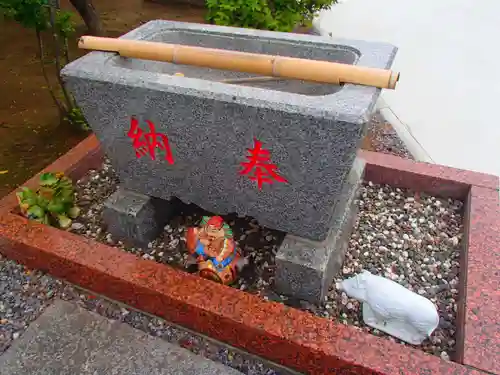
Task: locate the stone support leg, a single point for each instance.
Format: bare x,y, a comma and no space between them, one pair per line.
305,269
136,218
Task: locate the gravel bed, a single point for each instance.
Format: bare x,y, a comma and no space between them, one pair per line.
412,238
24,294
383,138
415,240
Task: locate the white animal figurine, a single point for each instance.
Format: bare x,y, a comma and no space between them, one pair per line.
391,308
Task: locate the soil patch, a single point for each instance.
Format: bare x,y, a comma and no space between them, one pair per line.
31,136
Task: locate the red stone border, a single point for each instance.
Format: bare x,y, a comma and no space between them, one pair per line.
287,336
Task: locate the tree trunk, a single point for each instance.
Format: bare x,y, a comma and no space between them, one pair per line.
89,15
57,53
62,110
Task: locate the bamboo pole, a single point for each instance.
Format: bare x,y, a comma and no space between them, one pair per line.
266,65
252,79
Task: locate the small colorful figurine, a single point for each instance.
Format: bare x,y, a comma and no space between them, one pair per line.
212,247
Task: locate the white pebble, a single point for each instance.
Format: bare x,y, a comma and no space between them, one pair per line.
344,299
445,356
77,226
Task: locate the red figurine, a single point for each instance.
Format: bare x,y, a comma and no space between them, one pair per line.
213,247
260,163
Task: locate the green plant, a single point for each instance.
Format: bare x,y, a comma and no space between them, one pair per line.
75,117
53,203
45,17
277,15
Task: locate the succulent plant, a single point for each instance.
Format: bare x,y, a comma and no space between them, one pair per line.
53,203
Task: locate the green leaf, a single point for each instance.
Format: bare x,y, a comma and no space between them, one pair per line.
42,202
31,200
63,221
73,212
64,24
48,179
281,15
66,199
47,193
65,184
46,219
27,196
32,14
56,207
27,192
36,212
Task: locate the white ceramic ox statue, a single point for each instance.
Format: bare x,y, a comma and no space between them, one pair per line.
391,308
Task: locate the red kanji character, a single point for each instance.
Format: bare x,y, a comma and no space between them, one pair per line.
260,163
145,143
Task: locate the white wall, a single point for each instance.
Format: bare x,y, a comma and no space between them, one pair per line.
448,98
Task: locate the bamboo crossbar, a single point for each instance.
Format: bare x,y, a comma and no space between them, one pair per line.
265,65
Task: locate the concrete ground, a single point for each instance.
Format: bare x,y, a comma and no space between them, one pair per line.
67,339
445,106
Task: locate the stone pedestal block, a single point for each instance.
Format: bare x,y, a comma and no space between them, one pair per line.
305,269
135,218
279,151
